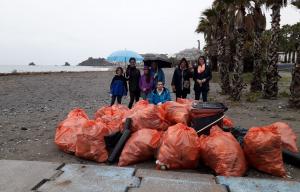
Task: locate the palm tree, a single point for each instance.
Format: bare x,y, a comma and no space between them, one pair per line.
272,76
223,15
207,27
294,100
240,31
259,27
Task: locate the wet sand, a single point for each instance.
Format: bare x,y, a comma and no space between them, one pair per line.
32,105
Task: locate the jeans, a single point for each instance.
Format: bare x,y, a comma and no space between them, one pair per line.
113,99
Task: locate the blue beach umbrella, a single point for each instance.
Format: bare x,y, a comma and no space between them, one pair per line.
124,56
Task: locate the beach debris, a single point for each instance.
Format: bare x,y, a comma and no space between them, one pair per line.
112,116
179,148
90,143
221,152
228,122
154,131
140,146
147,116
176,112
262,147
288,137
67,130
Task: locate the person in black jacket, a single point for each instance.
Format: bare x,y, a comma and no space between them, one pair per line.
133,76
202,76
181,79
118,87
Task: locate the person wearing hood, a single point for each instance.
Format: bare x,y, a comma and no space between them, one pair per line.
146,83
157,73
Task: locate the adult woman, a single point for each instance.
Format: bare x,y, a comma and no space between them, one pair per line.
202,76
181,79
157,73
146,83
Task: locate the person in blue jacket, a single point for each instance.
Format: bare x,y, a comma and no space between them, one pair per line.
159,95
157,73
118,86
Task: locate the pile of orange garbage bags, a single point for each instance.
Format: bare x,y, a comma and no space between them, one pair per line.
163,133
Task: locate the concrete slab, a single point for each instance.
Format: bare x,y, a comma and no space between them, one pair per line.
175,175
151,184
24,175
92,178
242,184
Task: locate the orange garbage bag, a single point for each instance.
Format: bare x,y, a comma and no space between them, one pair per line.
176,112
288,137
111,110
228,122
139,105
141,146
187,102
179,148
147,116
262,147
112,116
67,130
90,143
221,152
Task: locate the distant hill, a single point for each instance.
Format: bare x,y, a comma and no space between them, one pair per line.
95,62
190,54
31,64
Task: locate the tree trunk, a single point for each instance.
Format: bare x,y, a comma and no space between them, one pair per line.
237,80
256,83
223,67
272,76
227,61
289,57
295,84
293,57
285,57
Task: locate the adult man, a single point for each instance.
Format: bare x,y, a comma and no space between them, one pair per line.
159,95
133,76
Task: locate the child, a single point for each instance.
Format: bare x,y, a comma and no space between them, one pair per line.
118,86
146,83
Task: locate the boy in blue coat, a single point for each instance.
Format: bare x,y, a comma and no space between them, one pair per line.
159,95
118,86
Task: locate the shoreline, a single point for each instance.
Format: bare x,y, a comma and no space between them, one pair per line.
50,72
108,69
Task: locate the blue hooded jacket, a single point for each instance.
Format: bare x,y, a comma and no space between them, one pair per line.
118,86
155,98
159,76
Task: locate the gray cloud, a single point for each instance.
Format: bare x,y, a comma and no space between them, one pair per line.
52,32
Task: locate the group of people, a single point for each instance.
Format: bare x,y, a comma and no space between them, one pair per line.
150,85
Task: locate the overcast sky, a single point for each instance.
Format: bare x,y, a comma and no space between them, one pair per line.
50,32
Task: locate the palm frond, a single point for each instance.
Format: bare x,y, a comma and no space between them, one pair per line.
281,3
296,3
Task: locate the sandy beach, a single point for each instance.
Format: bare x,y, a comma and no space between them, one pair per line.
32,105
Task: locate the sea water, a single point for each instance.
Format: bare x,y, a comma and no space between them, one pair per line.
49,68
